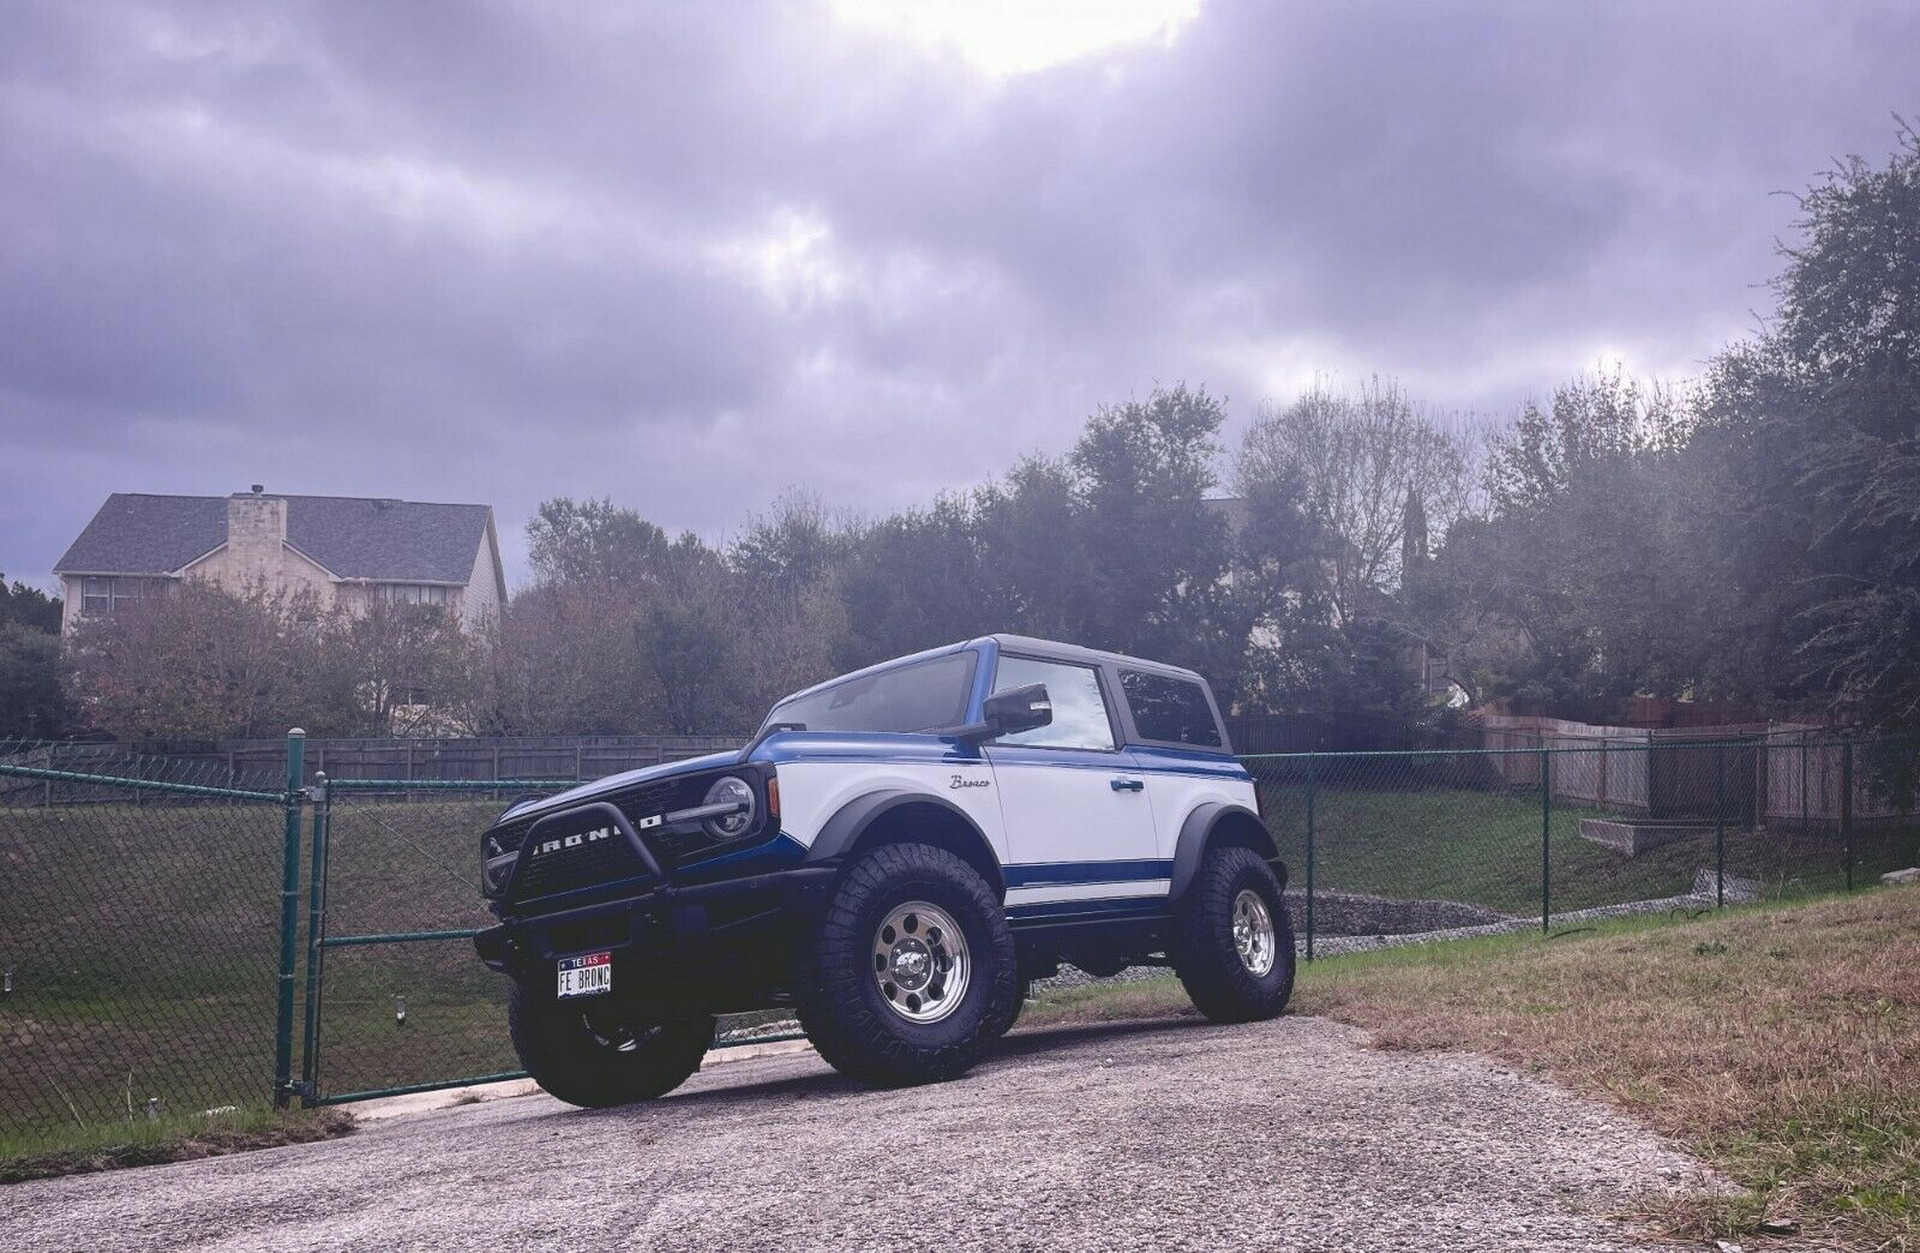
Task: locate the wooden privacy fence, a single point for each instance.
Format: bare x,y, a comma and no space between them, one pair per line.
1777,774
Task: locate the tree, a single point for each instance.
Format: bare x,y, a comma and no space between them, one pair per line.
1588,583
28,607
1821,420
199,663
33,700
1366,462
593,543
1151,549
563,661
916,580
795,543
694,641
1596,425
1029,535
33,703
396,669
781,588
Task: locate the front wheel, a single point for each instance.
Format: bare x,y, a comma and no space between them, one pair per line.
912,972
600,1052
1233,946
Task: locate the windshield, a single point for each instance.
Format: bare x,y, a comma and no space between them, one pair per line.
925,696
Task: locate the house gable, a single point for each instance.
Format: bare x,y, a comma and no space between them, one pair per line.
321,544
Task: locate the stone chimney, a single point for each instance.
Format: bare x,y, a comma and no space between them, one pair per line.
256,535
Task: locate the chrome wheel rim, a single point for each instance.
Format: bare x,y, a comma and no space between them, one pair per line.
1253,932
920,962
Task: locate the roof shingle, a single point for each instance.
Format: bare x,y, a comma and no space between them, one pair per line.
354,537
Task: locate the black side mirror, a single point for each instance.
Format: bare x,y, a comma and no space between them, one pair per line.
1018,709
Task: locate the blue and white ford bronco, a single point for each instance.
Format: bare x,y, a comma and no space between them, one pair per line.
896,854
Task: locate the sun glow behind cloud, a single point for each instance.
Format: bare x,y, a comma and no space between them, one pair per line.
1007,37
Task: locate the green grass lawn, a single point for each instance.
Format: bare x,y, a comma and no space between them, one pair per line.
1483,848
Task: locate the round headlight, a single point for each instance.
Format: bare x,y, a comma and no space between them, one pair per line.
730,791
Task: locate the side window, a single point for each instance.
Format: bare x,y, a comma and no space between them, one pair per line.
1170,710
1079,713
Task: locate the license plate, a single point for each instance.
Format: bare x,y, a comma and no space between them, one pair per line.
589,974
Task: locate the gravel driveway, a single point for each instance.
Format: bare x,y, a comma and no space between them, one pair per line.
1281,1135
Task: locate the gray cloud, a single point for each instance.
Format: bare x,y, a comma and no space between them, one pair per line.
689,255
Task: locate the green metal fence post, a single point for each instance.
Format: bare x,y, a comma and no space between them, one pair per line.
316,932
1720,826
1806,812
289,920
1310,800
1846,807
1546,840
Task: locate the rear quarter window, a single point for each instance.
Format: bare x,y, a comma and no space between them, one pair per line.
1170,710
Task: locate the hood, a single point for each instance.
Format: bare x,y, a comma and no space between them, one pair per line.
617,782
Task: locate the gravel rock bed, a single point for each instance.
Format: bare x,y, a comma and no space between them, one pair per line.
1700,898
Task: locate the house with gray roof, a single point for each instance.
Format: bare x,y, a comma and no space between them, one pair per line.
348,552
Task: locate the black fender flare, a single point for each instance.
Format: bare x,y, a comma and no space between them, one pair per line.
841,834
1212,825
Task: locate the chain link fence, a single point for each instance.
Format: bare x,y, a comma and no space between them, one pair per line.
1389,847
139,932
171,941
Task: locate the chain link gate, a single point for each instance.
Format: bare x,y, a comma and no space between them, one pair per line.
396,1001
138,924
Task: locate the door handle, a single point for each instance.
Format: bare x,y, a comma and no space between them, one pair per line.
1127,785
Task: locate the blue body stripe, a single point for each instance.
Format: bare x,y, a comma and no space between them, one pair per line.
1033,874
873,746
1189,762
1125,907
920,750
779,853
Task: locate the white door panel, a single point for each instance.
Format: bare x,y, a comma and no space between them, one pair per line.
1175,795
1060,805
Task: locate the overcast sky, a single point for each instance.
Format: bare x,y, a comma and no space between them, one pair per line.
689,255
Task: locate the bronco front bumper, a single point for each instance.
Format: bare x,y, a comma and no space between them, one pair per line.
669,927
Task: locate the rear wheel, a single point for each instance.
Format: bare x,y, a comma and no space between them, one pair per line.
1233,939
600,1052
911,973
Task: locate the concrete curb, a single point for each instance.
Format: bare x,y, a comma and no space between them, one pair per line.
452,1098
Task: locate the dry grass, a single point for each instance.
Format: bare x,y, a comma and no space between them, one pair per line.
1780,1043
172,1139
1109,1002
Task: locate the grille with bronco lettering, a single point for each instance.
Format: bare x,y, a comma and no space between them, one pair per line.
587,863
595,858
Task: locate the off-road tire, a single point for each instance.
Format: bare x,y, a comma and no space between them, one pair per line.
1022,993
1204,953
559,1050
840,1003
